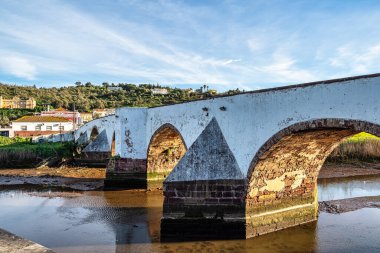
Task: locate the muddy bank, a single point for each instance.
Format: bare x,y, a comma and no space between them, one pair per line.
82,184
333,170
348,205
11,243
77,178
62,171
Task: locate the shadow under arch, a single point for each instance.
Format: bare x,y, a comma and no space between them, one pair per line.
94,133
165,150
282,177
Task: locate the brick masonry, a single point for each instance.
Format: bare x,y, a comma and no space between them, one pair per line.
282,188
126,173
96,159
210,209
280,193
165,150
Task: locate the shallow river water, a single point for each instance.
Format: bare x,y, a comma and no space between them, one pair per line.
129,221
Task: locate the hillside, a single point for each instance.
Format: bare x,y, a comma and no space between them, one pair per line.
88,96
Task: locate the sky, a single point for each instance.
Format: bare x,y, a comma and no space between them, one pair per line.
224,44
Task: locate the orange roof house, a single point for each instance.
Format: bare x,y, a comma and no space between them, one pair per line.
28,126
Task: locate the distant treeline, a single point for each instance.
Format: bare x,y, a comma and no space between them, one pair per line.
88,96
8,115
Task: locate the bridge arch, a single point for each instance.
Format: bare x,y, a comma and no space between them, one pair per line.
282,177
94,133
166,148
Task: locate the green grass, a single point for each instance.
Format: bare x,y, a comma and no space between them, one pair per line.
21,152
5,141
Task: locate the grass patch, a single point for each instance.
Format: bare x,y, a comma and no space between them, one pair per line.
19,152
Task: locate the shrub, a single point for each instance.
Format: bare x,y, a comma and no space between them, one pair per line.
361,147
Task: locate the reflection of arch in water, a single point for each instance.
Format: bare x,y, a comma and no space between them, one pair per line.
133,216
283,174
165,149
94,133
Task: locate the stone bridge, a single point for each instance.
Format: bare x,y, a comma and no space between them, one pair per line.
247,162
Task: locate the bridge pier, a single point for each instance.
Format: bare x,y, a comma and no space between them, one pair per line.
211,209
126,173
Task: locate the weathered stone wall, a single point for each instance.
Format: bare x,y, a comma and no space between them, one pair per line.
282,190
126,173
165,150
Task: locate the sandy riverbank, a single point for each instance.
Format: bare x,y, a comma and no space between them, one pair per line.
332,170
62,171
11,243
77,178
348,205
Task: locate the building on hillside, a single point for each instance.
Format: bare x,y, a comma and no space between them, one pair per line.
17,103
99,113
75,117
29,126
114,88
159,91
86,117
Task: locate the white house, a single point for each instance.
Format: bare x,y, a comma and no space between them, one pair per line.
28,126
160,91
115,88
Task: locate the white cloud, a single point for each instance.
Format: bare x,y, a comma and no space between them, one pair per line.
255,45
19,67
174,42
357,60
284,69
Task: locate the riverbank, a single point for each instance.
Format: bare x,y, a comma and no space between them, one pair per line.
11,243
343,170
62,171
76,178
348,205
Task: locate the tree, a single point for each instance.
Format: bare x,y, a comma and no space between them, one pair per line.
4,121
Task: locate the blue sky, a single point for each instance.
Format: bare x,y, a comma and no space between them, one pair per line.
224,44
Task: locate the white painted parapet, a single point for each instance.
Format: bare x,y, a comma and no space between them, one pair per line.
108,124
248,120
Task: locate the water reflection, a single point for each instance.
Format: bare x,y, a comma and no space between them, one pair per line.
129,221
343,188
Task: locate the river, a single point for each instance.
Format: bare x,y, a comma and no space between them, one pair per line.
129,221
